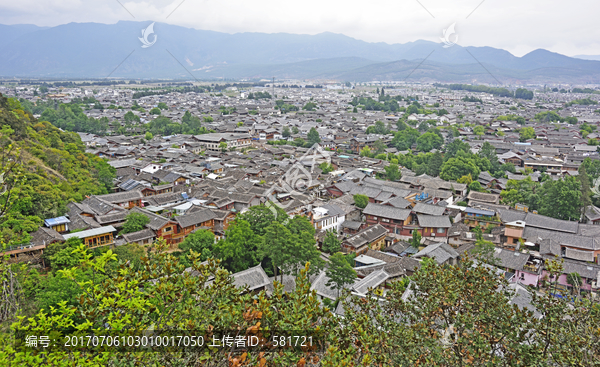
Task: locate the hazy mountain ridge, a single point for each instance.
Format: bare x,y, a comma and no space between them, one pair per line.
102,50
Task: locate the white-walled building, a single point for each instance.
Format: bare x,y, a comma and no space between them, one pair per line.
328,217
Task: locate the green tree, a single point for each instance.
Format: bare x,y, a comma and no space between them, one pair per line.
434,165
148,136
165,297
452,327
404,139
479,130
331,243
155,111
238,250
130,117
485,251
393,172
286,132
379,146
303,247
456,146
134,222
326,167
429,141
201,242
163,106
65,257
223,146
299,142
574,280
361,201
561,199
295,130
310,106
524,191
313,136
207,119
261,216
378,128
457,167
416,239
475,186
339,272
365,152
586,191
526,133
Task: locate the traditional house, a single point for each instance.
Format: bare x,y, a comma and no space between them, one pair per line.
59,224
127,199
372,237
393,219
96,237
441,252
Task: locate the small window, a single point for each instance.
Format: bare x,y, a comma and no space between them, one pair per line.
440,230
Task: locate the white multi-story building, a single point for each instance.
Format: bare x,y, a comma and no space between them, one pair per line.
328,217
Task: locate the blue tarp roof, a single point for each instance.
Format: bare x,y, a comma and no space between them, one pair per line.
56,221
479,211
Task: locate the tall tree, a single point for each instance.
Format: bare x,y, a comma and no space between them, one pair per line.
339,272
239,249
361,201
434,165
313,136
379,146
586,191
526,133
393,172
416,239
201,242
331,243
261,216
485,251
134,222
561,199
277,246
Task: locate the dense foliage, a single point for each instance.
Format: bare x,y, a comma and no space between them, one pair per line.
440,316
54,169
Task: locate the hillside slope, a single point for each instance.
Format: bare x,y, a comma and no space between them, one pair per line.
50,169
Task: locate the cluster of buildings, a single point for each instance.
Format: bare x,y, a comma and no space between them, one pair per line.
185,183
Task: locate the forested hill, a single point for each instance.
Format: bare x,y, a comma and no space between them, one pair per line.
43,168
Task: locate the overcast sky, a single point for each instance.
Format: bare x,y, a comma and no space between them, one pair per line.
519,26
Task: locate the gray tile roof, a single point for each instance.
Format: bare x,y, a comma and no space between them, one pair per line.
195,218
514,260
144,234
484,197
386,211
366,236
536,235
441,252
398,202
253,278
372,280
434,221
422,208
112,218
541,221
120,197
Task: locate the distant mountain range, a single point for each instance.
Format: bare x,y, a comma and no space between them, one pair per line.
93,50
588,57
